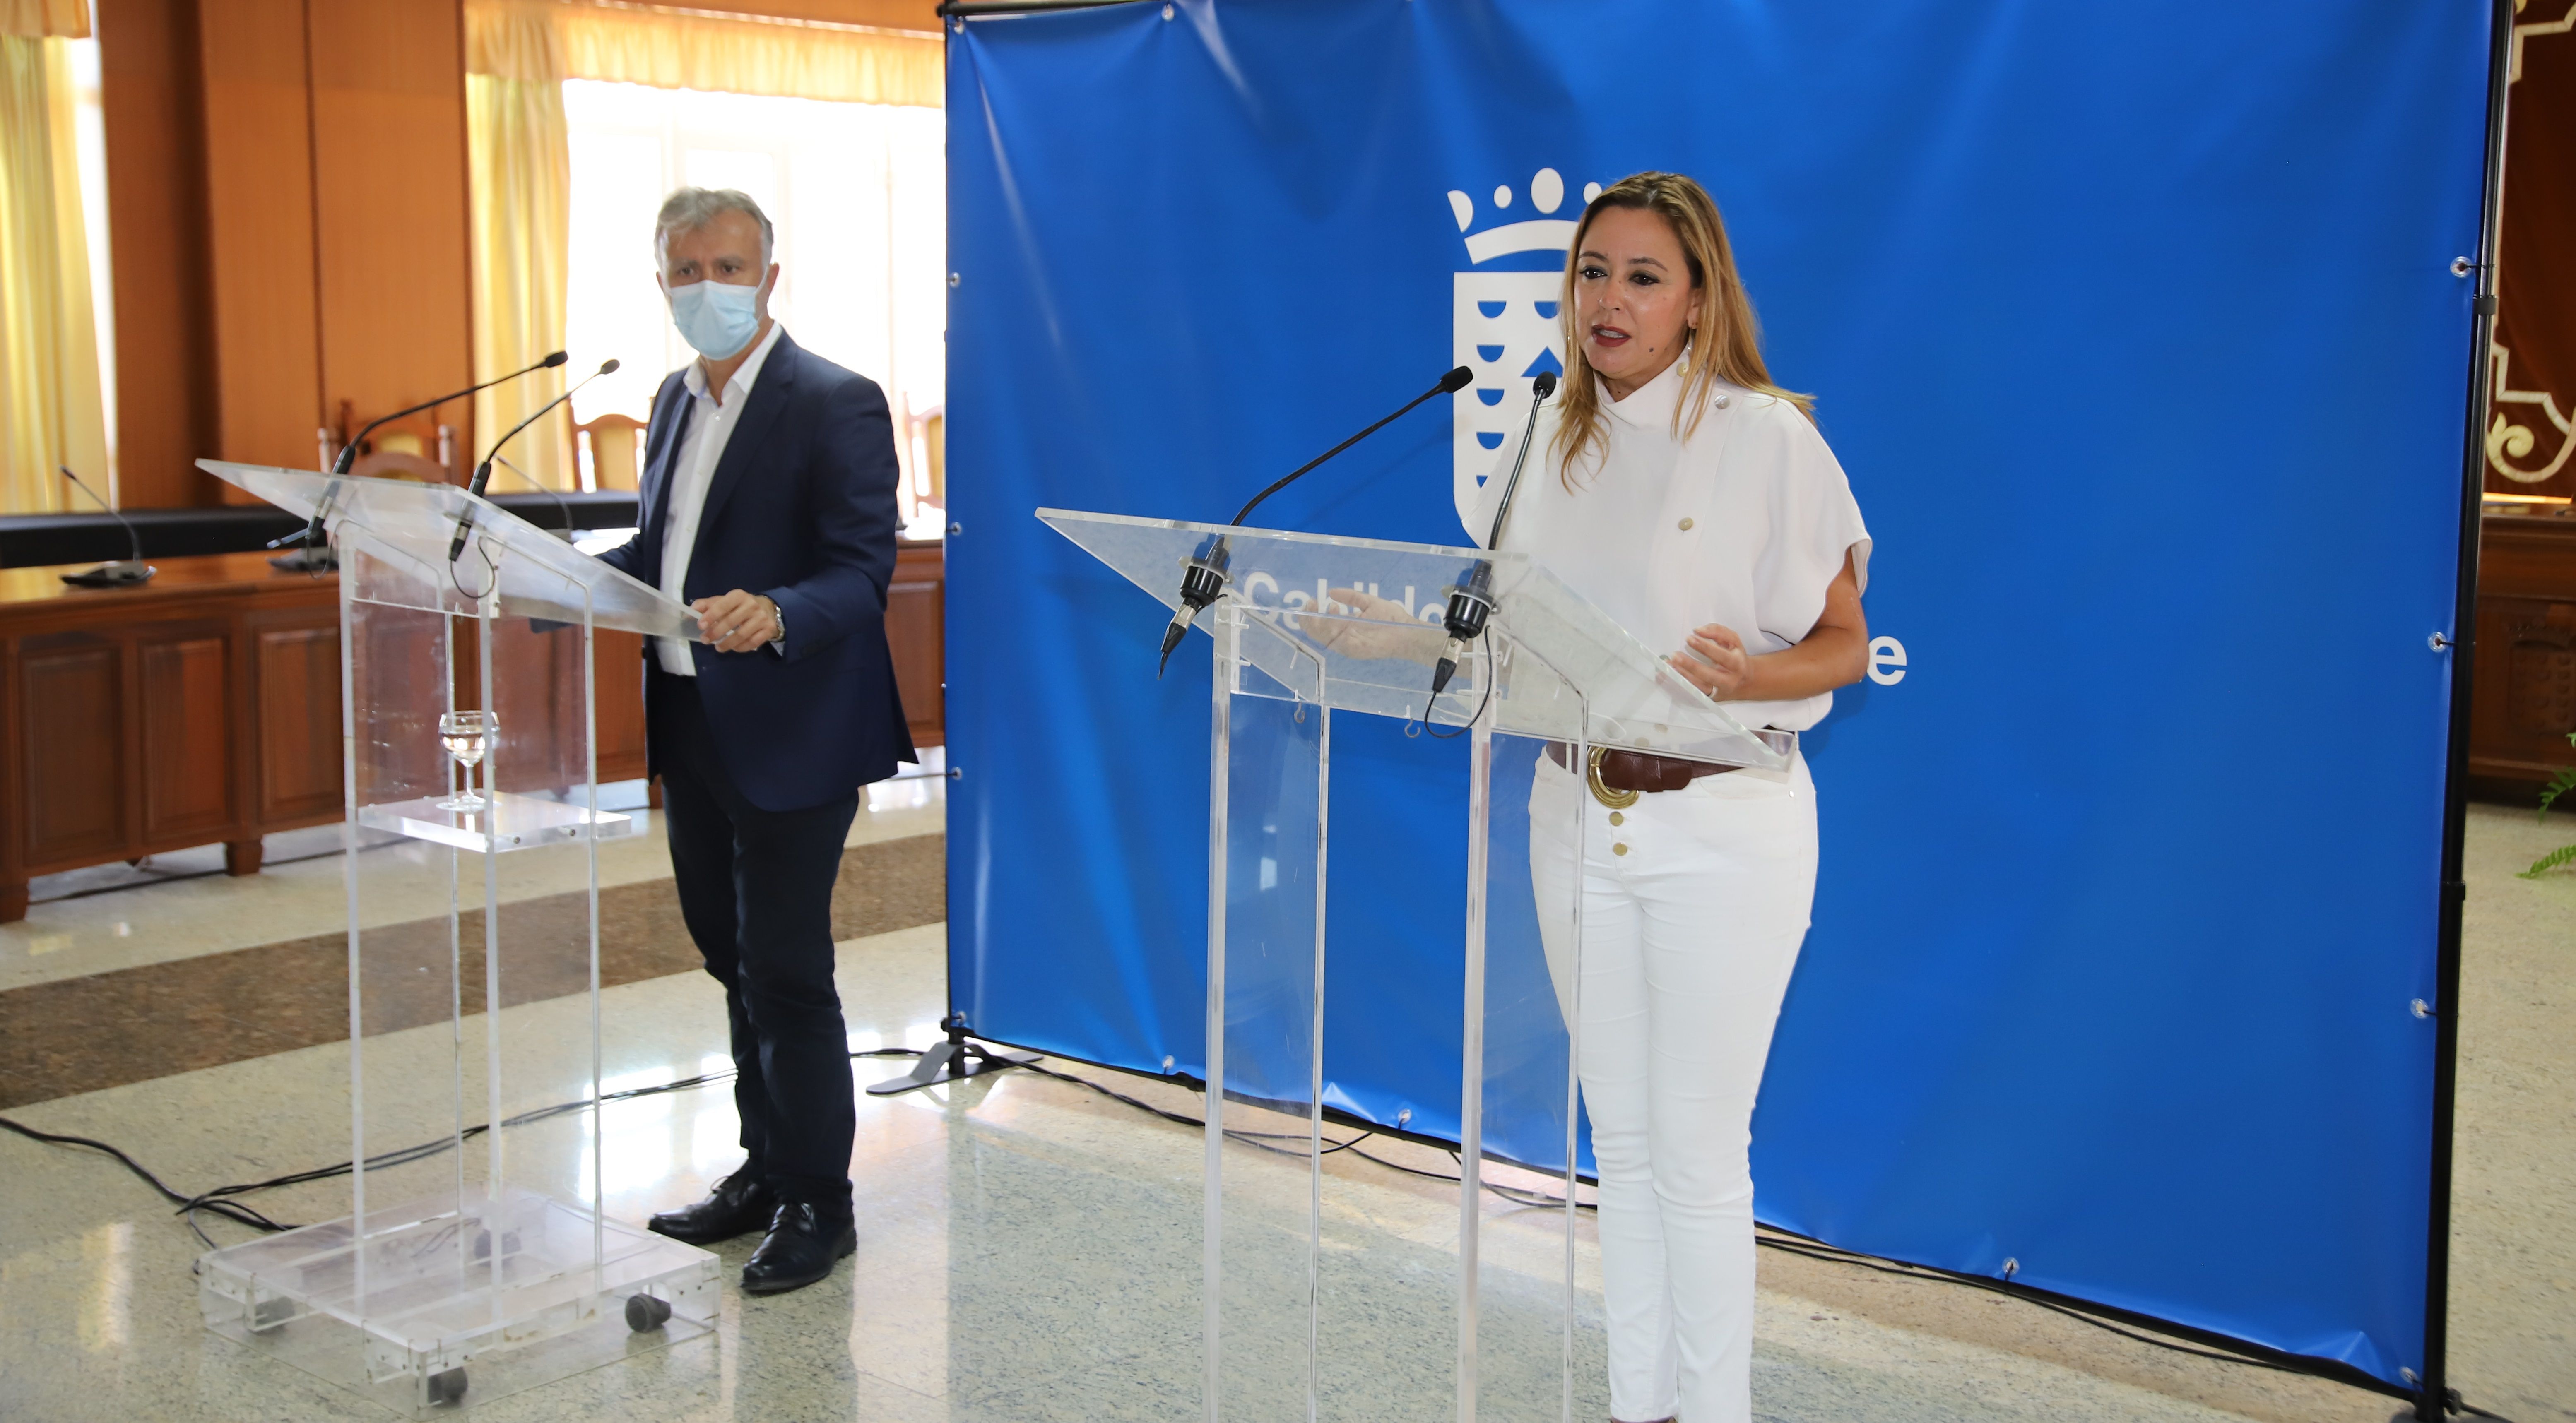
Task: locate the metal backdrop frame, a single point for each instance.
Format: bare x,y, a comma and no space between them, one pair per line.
2435,1396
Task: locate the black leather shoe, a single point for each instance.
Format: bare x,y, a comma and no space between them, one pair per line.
801,1245
741,1204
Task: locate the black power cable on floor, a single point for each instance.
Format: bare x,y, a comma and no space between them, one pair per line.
223,1200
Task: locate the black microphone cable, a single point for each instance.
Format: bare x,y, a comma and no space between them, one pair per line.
1203,578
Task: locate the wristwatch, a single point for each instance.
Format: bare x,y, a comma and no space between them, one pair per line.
778,621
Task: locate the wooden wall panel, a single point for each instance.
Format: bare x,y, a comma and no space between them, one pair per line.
390,203
2524,703
916,638
183,685
156,195
297,672
619,657
259,228
73,753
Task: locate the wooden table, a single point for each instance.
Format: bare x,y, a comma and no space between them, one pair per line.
204,706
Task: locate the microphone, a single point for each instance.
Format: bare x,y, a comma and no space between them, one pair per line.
483,471
312,536
1203,577
1471,601
124,572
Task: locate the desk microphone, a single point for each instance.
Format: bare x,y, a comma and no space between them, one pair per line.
483,471
124,572
1470,601
312,535
1203,578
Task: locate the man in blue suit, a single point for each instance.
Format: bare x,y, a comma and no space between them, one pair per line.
768,505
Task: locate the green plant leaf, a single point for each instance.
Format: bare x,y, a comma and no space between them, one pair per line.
2563,855
2559,785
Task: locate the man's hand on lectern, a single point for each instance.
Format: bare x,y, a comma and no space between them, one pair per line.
736,621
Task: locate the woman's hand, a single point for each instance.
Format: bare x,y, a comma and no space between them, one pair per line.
1384,629
1834,653
1713,659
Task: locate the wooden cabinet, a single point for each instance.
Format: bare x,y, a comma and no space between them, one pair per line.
917,637
202,708
2524,703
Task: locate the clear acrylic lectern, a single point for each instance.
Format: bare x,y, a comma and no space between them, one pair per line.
478,1257
1309,1313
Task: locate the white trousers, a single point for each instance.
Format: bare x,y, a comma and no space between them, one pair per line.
1694,904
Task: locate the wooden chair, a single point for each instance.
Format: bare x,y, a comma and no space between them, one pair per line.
613,448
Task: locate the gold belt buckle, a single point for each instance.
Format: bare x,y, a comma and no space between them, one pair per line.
1616,800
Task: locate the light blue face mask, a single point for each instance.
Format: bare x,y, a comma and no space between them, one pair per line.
718,318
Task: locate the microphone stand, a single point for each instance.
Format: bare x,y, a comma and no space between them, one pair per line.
316,556
1203,576
123,572
483,471
1471,601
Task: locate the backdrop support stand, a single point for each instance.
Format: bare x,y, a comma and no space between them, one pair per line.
2435,1398
958,1058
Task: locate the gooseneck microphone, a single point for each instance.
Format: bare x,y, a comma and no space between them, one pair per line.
312,536
483,471
1471,601
123,572
1203,577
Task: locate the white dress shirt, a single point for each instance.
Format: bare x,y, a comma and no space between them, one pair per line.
692,470
1744,522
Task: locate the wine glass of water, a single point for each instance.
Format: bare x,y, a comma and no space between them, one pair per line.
467,735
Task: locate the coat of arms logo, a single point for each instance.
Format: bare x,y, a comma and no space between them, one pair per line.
1503,317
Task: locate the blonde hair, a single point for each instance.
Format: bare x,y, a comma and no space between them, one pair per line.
1727,345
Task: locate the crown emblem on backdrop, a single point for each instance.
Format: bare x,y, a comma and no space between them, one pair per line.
1503,324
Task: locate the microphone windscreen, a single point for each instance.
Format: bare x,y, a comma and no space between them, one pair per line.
550,362
609,366
1545,385
1456,380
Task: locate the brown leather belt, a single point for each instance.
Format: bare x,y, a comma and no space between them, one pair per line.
1617,778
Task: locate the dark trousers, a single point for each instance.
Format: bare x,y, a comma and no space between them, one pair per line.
756,891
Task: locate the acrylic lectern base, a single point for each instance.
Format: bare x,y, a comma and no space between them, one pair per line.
447,1324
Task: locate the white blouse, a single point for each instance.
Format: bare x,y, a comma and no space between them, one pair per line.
1744,523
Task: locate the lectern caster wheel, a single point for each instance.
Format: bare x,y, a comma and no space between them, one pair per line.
447,1387
645,1313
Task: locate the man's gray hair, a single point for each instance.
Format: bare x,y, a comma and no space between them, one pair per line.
691,208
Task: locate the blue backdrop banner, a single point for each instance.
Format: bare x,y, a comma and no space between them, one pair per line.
2137,331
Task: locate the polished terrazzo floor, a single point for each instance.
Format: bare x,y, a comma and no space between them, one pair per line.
1030,1250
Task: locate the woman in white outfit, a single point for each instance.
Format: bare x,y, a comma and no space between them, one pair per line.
1694,502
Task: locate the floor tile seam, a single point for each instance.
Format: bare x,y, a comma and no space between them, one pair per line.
199,962
331,931
10,1101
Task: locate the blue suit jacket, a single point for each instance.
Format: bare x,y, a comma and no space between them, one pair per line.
801,509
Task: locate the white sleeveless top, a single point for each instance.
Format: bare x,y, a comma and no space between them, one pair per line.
1744,523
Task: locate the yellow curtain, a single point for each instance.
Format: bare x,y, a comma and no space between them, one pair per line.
59,19
519,161
671,48
50,408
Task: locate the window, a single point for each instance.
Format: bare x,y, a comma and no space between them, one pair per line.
857,193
